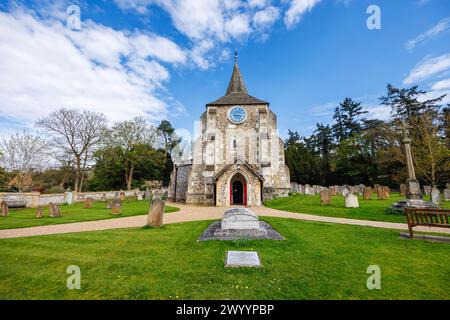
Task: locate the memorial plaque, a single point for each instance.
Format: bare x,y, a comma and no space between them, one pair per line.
242,259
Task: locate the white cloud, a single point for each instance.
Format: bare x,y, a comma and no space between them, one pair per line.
238,25
46,66
441,27
297,8
429,67
264,19
441,85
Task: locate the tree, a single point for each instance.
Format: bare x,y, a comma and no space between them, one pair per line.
170,140
75,135
131,137
348,119
321,143
431,153
21,154
405,103
303,165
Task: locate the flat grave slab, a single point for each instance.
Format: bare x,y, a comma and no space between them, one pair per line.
242,259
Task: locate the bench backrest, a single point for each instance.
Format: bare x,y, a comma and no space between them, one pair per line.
427,217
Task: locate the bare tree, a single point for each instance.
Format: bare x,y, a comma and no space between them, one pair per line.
129,136
22,153
75,134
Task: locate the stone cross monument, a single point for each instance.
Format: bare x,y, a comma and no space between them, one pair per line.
412,185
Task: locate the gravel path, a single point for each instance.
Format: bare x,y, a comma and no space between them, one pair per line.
194,213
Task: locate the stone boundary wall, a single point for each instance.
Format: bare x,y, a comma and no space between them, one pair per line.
35,199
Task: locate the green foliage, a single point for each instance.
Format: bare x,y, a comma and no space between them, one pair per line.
304,166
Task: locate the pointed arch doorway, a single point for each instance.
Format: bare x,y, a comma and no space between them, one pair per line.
238,190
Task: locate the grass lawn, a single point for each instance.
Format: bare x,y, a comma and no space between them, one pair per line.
368,209
317,261
21,218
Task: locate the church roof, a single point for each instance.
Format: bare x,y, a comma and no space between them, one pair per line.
237,91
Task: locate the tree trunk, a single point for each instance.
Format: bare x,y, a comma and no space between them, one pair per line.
77,174
130,177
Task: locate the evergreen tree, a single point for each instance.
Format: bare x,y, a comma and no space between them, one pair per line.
348,121
406,104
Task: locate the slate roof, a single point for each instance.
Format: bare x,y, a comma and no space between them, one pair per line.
236,92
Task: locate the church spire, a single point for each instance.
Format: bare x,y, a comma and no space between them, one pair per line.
237,82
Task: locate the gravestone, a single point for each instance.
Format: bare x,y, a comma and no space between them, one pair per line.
140,197
38,212
402,190
435,196
309,190
301,189
103,198
88,203
4,208
116,206
381,193
351,201
367,193
427,190
387,192
345,191
116,195
242,259
325,197
156,213
69,198
122,196
447,194
55,212
240,223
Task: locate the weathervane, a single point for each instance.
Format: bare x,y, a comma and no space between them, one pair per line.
235,55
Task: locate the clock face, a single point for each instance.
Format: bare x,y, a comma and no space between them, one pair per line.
237,115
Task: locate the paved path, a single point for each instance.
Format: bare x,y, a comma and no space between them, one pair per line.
194,213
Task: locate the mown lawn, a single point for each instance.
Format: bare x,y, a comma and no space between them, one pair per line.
368,209
317,261
21,218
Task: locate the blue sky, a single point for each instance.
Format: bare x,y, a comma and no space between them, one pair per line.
168,58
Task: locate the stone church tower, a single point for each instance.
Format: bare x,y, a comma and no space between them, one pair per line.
238,158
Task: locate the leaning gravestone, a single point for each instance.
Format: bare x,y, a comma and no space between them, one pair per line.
88,203
122,196
4,208
325,197
351,201
116,206
55,212
387,192
427,190
435,196
156,213
447,194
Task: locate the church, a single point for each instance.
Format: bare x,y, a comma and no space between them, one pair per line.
238,158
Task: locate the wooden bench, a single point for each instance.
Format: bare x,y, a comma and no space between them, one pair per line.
426,217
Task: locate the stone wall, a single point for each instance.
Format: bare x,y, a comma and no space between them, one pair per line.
179,179
35,199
